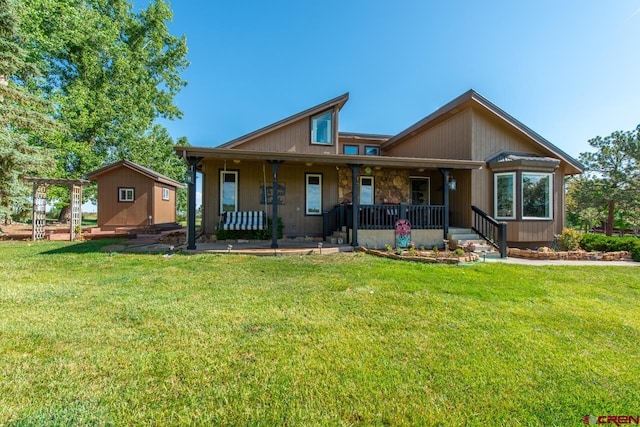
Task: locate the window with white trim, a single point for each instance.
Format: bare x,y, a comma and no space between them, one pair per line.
322,128
228,191
165,193
313,203
366,190
504,195
126,194
537,195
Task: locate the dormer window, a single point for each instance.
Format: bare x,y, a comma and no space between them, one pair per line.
322,128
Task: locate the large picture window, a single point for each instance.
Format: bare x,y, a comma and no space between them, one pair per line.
537,198
313,194
321,128
228,191
504,195
366,190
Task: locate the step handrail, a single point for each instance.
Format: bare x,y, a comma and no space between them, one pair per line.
491,230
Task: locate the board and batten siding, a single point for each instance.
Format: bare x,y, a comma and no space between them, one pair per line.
292,138
450,139
252,175
111,212
164,210
491,137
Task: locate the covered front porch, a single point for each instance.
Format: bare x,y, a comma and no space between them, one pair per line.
342,178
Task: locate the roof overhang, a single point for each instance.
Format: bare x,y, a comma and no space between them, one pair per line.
151,174
325,159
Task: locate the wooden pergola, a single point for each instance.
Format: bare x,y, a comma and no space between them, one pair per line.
40,204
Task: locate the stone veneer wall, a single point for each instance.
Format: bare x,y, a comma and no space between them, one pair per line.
390,186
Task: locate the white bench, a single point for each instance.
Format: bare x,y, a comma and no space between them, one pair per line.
243,220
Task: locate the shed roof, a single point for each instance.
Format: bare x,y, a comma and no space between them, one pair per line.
137,168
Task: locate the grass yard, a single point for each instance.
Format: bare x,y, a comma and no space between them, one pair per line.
112,339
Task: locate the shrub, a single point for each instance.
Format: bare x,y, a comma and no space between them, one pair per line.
600,242
569,240
458,251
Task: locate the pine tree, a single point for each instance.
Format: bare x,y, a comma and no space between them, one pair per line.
22,116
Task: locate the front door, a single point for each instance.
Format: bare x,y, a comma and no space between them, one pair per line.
420,191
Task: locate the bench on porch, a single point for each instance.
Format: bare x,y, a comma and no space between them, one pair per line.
243,220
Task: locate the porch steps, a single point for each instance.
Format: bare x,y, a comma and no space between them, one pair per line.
465,236
337,238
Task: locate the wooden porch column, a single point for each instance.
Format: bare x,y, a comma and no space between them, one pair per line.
356,203
445,191
275,165
191,204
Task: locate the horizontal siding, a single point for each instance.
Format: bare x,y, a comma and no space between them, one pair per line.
450,139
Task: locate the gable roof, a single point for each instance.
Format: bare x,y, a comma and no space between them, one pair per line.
137,168
335,102
475,99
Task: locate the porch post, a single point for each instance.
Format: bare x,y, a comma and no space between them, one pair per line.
356,203
445,191
275,164
191,203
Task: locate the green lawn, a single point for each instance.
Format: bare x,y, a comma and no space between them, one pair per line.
98,338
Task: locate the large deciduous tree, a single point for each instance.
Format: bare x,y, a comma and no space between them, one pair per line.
110,72
22,115
612,181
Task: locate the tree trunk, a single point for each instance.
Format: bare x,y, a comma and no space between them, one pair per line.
65,215
609,226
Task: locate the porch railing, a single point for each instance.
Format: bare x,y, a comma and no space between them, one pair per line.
490,230
334,220
384,217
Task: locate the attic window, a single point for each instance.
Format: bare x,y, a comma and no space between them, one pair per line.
371,150
322,128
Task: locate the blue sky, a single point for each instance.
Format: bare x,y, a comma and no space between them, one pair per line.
570,70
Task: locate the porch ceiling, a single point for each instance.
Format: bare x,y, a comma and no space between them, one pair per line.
327,159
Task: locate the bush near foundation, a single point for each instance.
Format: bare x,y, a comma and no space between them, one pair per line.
570,239
599,242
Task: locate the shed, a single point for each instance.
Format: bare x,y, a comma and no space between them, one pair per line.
130,195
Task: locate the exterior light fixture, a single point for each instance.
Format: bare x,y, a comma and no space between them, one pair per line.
452,184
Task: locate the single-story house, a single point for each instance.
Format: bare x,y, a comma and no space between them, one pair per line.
130,195
469,164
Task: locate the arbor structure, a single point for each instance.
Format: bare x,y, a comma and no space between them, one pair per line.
612,182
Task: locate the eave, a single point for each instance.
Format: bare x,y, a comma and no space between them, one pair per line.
151,174
326,159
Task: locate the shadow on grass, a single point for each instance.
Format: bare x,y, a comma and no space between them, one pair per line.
89,246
